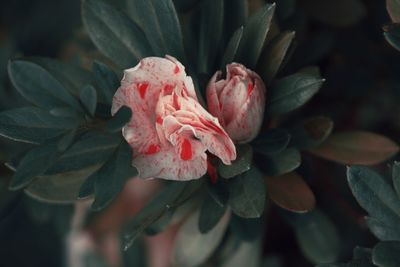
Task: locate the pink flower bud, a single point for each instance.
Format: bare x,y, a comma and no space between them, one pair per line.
238,102
170,131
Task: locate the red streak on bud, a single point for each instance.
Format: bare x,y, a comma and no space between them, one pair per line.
159,120
177,70
212,172
152,149
250,88
168,89
186,152
142,89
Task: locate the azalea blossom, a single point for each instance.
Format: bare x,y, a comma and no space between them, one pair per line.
237,101
170,132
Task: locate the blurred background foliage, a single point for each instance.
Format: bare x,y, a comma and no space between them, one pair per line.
344,38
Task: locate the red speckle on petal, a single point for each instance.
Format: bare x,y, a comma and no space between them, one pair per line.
159,120
168,89
176,101
142,89
152,149
212,172
212,126
177,69
250,88
186,150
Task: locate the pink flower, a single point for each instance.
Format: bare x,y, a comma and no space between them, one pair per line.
238,102
170,131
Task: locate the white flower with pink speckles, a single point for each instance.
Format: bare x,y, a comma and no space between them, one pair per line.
170,131
238,102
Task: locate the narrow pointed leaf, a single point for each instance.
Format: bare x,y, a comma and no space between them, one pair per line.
122,117
254,33
106,79
88,98
281,163
232,48
104,23
241,164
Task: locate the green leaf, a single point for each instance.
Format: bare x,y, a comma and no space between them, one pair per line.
292,92
169,198
235,16
91,149
247,194
33,125
247,230
311,132
317,237
87,187
290,192
392,35
111,177
88,98
274,55
193,248
396,177
338,13
356,147
60,188
393,8
210,33
122,117
254,33
271,142
104,23
382,231
160,23
241,164
70,76
277,164
374,194
66,140
211,213
33,164
232,48
136,255
185,5
386,254
106,79
38,86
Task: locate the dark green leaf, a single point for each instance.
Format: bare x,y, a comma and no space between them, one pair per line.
274,55
33,125
136,255
36,85
87,187
66,140
362,253
235,15
185,5
70,76
122,117
271,142
210,33
59,188
396,177
241,164
292,92
382,231
317,237
106,79
393,8
247,194
356,147
311,132
248,230
386,254
193,248
392,35
104,23
33,164
281,163
88,98
160,23
374,194
254,34
65,112
111,177
211,213
232,47
91,149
